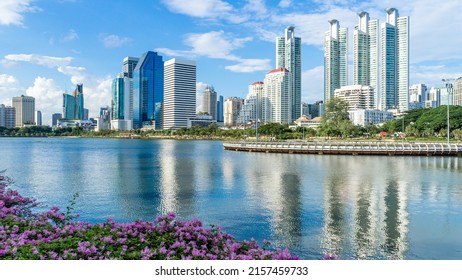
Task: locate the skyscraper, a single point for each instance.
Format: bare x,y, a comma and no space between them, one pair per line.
73,105
209,102
394,55
233,106
288,56
38,118
122,103
148,90
458,92
335,59
220,104
276,105
129,65
25,110
180,93
55,117
366,54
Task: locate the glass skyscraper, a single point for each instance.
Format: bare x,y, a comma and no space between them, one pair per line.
148,91
73,106
289,56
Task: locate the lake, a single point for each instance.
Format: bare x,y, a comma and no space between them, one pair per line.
359,207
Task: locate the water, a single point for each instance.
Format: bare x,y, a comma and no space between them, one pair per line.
363,207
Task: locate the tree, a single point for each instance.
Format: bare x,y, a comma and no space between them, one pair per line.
336,121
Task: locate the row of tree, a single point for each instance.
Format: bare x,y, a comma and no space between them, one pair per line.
429,123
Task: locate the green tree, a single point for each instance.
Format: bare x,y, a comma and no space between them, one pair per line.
336,122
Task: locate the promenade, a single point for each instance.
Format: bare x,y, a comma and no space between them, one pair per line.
349,148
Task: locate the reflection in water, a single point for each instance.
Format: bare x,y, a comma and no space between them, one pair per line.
365,210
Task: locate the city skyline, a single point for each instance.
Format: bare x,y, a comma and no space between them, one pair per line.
47,49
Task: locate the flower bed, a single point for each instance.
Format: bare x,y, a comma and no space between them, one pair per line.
56,235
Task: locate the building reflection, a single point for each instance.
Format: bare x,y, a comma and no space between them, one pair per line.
366,210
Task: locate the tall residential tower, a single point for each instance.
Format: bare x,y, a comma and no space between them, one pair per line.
288,56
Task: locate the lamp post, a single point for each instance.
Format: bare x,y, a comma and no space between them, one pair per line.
449,89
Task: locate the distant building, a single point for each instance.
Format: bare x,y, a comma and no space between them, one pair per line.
251,108
357,96
122,103
7,116
129,65
335,59
73,104
417,96
209,102
54,119
86,114
25,110
458,92
202,121
180,93
38,118
364,117
276,103
148,90
220,106
314,110
233,106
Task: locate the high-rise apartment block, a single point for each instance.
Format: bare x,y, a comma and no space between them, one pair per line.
458,92
73,104
335,59
148,90
7,116
357,96
233,106
209,102
366,54
180,93
276,101
288,56
394,55
25,110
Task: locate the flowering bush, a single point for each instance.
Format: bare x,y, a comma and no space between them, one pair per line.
55,235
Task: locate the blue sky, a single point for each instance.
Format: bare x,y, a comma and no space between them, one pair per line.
47,46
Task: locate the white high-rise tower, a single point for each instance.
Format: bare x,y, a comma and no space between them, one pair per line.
394,55
288,56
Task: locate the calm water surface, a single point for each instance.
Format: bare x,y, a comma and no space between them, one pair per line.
363,207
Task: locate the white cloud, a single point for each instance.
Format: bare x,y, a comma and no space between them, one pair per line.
199,8
71,36
285,3
77,74
11,11
7,80
257,8
250,65
113,41
47,96
48,61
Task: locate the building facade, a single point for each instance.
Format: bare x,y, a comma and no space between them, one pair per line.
276,101
335,59
129,65
220,108
233,106
25,110
180,93
364,117
288,56
357,96
394,56
148,90
458,92
7,116
73,104
209,102
54,119
122,103
366,54
38,118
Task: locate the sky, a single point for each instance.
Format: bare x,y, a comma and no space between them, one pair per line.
49,46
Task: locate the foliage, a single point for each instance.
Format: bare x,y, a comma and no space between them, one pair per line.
335,121
52,235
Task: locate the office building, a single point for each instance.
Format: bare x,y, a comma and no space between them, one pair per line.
209,102
394,55
288,56
233,105
148,91
25,110
220,112
38,118
335,59
7,116
366,54
276,101
364,117
73,104
54,119
122,103
180,93
129,65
